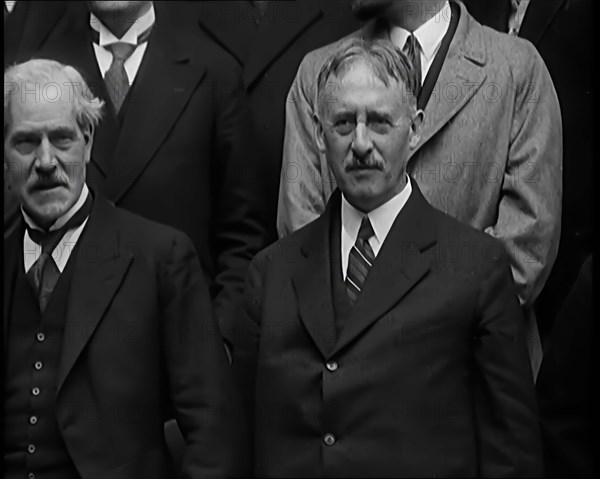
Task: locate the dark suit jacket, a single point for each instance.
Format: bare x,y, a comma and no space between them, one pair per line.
180,152
563,32
140,338
432,377
565,385
287,32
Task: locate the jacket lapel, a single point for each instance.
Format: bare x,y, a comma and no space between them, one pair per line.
276,34
538,17
312,280
460,78
94,283
214,19
164,83
399,266
41,17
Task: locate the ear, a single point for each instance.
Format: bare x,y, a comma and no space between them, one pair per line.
88,138
415,129
319,133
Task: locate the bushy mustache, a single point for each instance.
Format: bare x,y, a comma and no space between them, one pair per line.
364,164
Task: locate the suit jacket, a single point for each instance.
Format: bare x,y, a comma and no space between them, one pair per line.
565,385
287,32
429,376
180,151
140,338
490,152
562,32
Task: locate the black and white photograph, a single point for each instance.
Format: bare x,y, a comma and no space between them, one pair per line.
298,238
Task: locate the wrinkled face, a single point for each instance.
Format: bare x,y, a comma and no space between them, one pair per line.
368,9
45,156
366,131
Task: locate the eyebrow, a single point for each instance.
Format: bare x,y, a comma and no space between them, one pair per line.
61,130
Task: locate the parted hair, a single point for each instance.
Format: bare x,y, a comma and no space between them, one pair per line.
386,60
50,79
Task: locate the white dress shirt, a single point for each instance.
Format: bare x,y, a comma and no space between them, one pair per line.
382,218
429,36
10,6
32,251
104,56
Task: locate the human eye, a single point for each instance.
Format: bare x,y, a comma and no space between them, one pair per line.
380,125
344,126
25,144
61,139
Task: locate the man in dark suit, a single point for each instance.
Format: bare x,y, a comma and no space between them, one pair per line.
174,145
107,317
384,338
269,40
562,31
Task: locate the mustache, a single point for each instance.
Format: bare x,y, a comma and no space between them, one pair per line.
47,182
357,164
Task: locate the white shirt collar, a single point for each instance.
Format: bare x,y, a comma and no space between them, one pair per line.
60,222
131,35
429,35
10,6
382,218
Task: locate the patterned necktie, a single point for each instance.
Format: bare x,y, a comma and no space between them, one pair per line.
44,273
116,80
412,51
360,260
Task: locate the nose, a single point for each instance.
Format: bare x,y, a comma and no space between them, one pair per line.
45,158
362,144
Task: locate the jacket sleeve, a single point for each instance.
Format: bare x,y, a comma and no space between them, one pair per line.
505,408
306,182
530,206
202,393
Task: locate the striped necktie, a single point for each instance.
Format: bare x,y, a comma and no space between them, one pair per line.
360,260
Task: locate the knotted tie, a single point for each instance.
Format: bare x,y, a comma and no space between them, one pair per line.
116,80
44,273
360,260
412,51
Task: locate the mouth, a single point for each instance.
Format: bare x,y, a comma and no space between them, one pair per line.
46,186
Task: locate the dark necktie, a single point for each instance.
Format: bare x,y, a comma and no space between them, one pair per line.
44,273
412,51
360,261
117,83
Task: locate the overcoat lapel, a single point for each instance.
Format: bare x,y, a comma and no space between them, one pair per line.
99,271
461,76
11,253
312,280
399,266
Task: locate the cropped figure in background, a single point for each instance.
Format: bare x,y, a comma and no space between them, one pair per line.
385,338
269,39
175,143
490,151
107,316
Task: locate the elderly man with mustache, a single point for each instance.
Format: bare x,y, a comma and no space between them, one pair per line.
385,338
107,317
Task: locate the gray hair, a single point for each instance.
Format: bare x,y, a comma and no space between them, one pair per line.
42,79
386,60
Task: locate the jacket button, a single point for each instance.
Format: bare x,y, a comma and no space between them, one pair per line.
33,420
35,391
331,366
329,439
41,337
31,449
38,365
